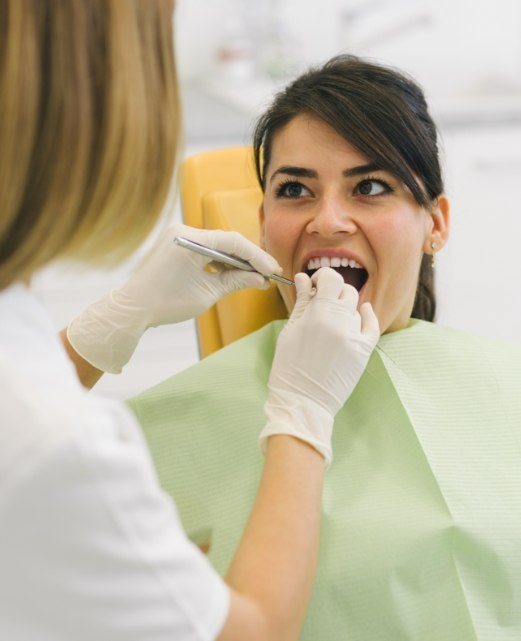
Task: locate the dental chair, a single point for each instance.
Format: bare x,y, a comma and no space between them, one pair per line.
219,190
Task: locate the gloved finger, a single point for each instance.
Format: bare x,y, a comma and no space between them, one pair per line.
304,288
232,280
234,243
329,284
303,285
350,295
370,325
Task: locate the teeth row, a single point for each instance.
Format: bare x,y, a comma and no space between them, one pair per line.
325,261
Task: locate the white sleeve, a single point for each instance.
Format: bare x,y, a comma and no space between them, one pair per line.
91,549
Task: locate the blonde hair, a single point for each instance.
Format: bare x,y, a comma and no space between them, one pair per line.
89,124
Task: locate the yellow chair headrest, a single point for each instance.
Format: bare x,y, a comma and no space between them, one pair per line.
219,190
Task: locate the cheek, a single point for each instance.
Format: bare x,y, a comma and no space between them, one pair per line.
280,237
397,239
397,243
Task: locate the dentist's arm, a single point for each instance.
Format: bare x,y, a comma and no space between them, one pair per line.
320,356
170,286
271,574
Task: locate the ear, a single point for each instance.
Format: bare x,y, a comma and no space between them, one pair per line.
439,225
262,239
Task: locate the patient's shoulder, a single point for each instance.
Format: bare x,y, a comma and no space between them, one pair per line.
485,348
428,349
432,336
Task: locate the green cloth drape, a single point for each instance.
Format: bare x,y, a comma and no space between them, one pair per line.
421,528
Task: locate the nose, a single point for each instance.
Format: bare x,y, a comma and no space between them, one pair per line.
332,217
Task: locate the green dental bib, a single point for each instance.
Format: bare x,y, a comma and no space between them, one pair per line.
421,526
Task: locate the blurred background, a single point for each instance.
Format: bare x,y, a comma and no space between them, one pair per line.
234,54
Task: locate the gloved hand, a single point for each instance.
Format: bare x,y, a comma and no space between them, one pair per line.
320,356
170,285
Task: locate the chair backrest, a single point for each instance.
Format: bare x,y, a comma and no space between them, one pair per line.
219,190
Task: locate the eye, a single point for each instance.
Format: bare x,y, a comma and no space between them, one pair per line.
373,187
292,189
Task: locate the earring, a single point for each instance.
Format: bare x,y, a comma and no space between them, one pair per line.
433,255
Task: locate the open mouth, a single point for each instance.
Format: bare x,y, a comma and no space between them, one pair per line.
352,272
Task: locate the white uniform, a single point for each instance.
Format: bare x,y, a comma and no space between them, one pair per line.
91,549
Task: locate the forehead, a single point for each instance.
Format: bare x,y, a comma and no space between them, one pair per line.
309,142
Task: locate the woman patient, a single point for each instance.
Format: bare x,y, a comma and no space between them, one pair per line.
421,533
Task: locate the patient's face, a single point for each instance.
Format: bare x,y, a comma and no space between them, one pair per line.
324,205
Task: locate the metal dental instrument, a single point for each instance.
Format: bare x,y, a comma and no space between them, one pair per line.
222,257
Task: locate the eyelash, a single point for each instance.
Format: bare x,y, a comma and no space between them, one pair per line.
281,188
380,181
285,183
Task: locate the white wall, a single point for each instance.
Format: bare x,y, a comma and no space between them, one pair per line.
479,273
450,45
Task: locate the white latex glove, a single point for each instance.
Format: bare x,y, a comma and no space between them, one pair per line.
170,285
320,356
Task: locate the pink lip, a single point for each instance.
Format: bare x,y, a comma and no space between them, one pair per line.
331,253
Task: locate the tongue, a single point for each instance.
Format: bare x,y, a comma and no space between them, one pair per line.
353,276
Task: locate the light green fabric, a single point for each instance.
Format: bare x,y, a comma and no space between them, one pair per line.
421,528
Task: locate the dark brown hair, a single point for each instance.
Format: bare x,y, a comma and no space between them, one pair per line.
88,128
382,113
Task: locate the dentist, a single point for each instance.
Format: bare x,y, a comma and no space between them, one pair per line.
90,546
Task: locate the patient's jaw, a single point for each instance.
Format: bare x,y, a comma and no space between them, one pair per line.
327,204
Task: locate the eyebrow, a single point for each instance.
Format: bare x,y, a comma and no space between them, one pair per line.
302,172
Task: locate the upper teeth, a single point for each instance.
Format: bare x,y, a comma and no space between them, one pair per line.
335,261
